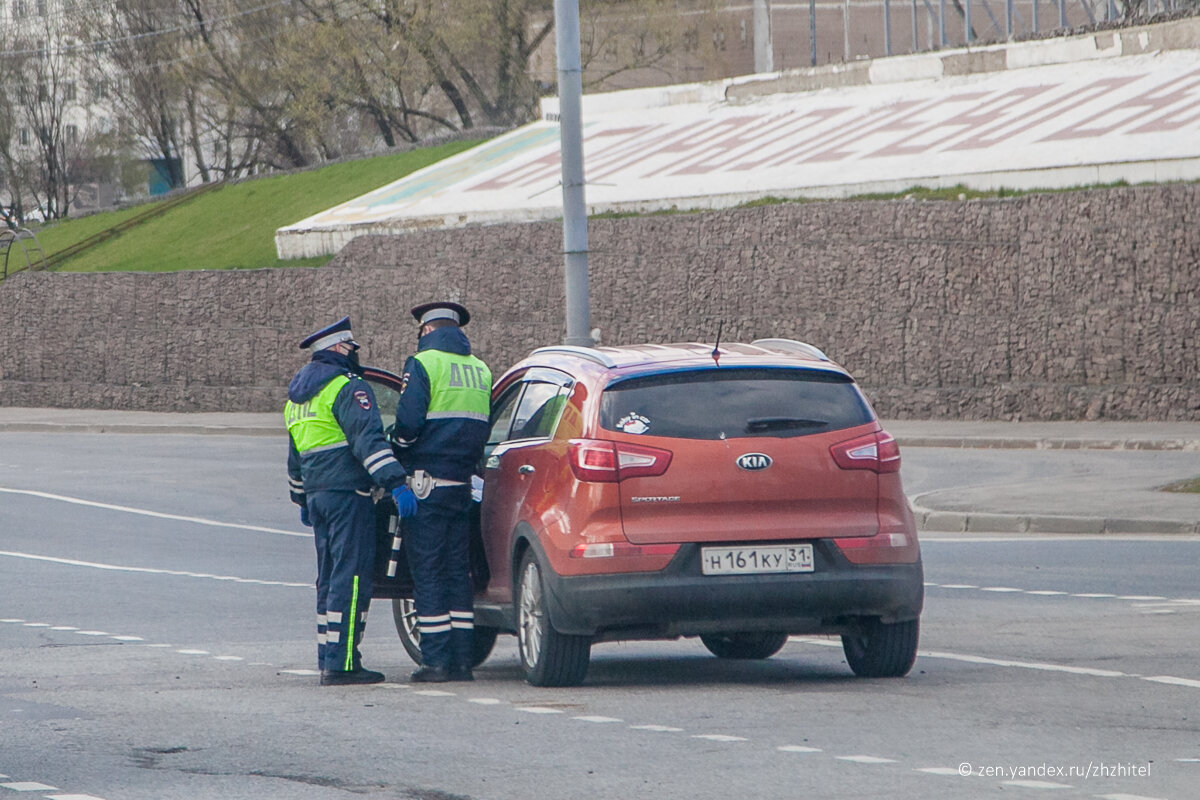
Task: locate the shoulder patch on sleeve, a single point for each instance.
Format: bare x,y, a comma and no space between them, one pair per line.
363,399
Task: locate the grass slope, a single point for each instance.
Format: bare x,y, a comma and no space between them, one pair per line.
232,227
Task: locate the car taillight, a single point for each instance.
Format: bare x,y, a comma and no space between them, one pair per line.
610,462
618,549
882,548
877,452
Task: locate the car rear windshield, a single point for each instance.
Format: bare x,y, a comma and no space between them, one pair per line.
732,403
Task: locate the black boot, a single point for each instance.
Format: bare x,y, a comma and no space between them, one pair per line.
430,674
351,677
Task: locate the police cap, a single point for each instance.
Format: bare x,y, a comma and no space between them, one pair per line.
336,333
428,312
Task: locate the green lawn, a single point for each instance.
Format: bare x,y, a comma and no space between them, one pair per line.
1192,486
231,227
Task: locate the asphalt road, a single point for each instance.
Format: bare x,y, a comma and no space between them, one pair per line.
156,636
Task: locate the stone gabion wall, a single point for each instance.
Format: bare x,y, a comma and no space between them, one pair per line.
1081,305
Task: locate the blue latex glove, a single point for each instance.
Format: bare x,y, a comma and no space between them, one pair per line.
406,501
304,520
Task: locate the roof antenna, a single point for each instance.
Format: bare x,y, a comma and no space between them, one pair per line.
716,353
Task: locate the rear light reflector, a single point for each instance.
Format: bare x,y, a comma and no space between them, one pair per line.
610,462
877,452
618,549
883,548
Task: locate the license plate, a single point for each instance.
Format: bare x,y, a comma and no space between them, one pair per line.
756,560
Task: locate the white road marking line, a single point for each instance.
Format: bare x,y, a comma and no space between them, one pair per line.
146,570
1096,595
1126,797
303,672
37,624
939,771
72,797
93,633
656,728
160,645
11,620
797,748
598,720
1188,760
538,710
485,701
1037,785
1159,611
128,638
434,693
1139,597
229,658
1047,593
959,586
719,737
1003,662
147,513
866,759
193,652
1000,589
64,628
1173,681
29,786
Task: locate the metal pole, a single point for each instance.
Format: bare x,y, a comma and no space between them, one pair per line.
967,21
887,27
1062,13
570,110
916,39
764,55
1035,16
812,29
846,29
1008,18
942,23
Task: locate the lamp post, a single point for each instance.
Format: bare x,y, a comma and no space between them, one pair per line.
570,102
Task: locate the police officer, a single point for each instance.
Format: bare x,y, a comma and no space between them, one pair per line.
441,428
337,452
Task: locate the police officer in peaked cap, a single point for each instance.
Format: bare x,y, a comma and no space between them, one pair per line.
441,429
337,452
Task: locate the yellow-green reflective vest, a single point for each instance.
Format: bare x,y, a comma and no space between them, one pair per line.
311,424
460,387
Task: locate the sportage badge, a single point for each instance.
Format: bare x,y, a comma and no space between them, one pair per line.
754,461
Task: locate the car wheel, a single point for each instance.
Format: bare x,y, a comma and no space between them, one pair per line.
882,650
744,645
404,612
548,658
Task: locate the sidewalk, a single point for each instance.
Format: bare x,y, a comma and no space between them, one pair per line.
972,477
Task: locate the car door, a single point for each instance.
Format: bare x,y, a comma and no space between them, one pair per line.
520,468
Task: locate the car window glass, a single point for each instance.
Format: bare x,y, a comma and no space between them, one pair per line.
502,414
730,403
386,399
538,412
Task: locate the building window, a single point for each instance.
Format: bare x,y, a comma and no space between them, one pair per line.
72,134
69,91
20,9
99,90
23,137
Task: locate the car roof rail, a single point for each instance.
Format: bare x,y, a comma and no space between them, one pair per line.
590,353
793,346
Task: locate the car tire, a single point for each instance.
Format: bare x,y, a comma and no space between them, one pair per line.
882,650
404,613
548,658
744,645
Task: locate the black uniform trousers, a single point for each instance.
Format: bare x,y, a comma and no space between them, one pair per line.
437,541
344,529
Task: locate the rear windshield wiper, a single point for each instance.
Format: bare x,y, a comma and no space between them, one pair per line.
759,424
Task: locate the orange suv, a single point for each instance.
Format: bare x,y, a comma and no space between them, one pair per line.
649,492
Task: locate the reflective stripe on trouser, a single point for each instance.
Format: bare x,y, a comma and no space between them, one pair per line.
344,531
437,540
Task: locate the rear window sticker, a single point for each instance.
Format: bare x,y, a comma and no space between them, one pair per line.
633,423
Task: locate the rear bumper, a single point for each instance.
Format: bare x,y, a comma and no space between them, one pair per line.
680,601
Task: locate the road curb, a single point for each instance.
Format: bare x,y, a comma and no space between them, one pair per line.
1023,443
143,428
935,521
